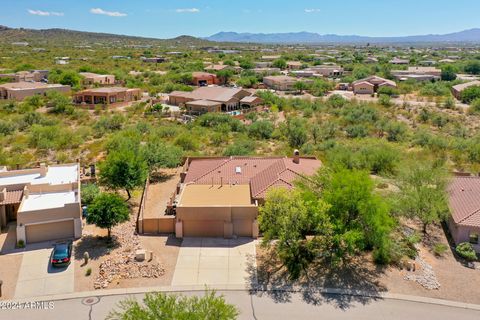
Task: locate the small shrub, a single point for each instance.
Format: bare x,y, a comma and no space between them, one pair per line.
466,251
439,249
21,244
88,272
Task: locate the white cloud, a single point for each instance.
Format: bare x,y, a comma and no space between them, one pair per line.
312,10
45,13
188,10
107,13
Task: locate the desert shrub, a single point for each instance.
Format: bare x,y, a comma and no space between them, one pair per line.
439,249
262,129
240,147
89,193
466,251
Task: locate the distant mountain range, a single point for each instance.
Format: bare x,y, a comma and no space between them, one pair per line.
466,36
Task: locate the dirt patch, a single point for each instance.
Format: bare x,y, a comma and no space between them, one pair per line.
10,267
162,186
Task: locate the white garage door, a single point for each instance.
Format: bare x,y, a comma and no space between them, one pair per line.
50,231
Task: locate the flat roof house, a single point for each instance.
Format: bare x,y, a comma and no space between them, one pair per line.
327,71
458,89
44,202
418,74
371,85
282,83
208,99
20,90
397,60
201,79
100,79
464,203
219,197
107,95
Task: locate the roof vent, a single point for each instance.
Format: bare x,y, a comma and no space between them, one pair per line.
238,170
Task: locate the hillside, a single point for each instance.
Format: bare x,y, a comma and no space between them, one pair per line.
72,37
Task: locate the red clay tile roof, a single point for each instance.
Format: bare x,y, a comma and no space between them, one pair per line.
464,200
261,173
13,197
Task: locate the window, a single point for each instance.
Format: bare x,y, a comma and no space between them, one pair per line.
238,170
473,238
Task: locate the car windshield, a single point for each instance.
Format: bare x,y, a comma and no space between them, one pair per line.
60,251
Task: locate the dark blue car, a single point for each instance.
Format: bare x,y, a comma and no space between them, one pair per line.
62,253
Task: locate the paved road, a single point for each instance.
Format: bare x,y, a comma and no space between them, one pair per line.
267,306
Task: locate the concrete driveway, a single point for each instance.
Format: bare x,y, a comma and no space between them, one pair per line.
214,261
38,278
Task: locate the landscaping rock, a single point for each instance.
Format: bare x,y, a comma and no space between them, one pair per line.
427,278
122,262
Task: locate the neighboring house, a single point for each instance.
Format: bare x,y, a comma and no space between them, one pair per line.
303,73
153,60
458,89
263,64
99,79
31,76
201,79
399,61
107,95
371,60
20,90
266,71
217,67
220,196
464,203
328,71
270,58
418,74
371,85
294,65
282,83
43,202
208,99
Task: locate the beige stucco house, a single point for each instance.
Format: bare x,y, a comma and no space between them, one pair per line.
21,90
213,99
220,196
371,84
43,202
90,78
107,95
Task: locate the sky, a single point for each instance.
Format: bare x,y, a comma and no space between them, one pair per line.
201,18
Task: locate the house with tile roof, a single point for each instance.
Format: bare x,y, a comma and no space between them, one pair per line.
371,84
220,196
214,99
464,203
41,204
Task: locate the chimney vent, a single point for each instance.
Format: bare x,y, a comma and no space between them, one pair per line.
296,156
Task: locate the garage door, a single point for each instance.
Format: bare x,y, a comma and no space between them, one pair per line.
49,231
242,227
202,228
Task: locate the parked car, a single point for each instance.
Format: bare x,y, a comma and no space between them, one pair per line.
61,255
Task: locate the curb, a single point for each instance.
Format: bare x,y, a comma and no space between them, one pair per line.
335,291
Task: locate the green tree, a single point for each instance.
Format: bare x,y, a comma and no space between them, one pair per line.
360,218
288,218
162,155
108,210
470,94
472,67
423,196
300,86
280,63
158,305
124,168
89,192
448,73
296,132
261,129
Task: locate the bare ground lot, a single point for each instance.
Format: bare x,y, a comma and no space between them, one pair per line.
458,282
162,186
